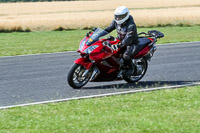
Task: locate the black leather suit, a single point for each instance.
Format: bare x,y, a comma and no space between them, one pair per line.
127,33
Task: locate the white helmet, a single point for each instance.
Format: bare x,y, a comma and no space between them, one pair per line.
121,14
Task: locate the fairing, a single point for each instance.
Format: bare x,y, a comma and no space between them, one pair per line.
143,52
95,52
84,62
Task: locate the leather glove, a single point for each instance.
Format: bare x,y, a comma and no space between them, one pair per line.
120,44
107,44
115,47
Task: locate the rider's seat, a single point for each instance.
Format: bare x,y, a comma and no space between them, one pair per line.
142,42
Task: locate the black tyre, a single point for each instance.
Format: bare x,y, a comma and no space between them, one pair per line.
78,76
142,66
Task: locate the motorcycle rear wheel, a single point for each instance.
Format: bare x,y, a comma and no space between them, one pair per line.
143,65
76,77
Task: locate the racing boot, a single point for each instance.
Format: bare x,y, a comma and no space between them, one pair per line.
131,67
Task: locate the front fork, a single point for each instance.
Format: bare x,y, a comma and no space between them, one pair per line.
88,65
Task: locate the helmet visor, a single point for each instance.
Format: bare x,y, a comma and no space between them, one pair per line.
120,17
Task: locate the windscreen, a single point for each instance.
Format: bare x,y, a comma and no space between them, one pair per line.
98,33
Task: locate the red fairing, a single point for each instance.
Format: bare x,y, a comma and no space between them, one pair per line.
143,52
99,56
150,39
115,42
84,62
99,48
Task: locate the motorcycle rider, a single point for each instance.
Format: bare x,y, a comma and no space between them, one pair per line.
127,34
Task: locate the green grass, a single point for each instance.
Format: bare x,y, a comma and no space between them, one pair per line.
22,43
163,111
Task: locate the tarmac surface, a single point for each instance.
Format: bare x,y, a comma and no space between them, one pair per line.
43,77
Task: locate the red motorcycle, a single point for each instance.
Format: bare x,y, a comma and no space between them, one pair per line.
102,62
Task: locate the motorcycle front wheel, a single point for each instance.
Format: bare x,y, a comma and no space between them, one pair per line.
78,76
142,66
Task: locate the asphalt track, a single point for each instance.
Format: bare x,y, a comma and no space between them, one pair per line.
42,77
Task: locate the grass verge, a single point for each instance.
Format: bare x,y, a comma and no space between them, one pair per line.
22,43
176,110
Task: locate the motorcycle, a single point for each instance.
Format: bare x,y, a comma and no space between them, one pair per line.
101,61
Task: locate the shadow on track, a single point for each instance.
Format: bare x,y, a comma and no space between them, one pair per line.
142,84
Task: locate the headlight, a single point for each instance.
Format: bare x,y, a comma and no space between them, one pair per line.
90,49
82,44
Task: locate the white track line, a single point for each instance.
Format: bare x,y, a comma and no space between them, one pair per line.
101,95
75,51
